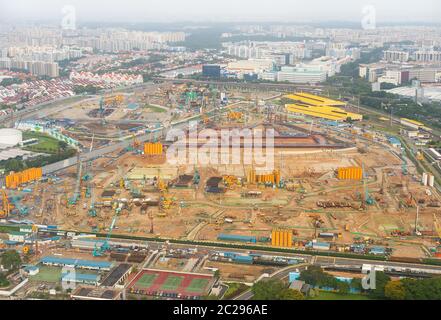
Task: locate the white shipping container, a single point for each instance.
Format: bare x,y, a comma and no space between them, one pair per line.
431,181
425,179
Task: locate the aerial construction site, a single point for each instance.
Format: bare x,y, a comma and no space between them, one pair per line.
334,185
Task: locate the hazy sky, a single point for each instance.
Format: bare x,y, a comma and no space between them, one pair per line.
223,10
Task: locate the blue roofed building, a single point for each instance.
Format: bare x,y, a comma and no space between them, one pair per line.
91,279
76,263
378,251
294,276
395,142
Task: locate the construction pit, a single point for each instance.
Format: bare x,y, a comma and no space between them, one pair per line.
154,198
312,193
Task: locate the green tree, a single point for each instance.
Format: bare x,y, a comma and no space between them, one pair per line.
3,281
289,294
268,290
11,260
381,279
63,145
14,165
426,289
343,287
395,290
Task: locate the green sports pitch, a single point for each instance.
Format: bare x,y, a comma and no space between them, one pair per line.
172,283
146,281
197,285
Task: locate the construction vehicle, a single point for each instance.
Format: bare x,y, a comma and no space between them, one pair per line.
235,116
230,181
114,101
196,177
99,251
17,207
135,143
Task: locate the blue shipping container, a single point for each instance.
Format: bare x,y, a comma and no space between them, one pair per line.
232,237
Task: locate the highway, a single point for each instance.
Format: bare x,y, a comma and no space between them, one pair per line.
88,156
308,259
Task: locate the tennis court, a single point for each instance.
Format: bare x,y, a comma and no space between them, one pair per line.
172,283
146,281
197,285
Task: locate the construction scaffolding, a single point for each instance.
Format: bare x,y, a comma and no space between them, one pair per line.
14,180
281,238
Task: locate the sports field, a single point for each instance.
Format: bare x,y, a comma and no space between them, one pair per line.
47,274
146,281
197,285
171,284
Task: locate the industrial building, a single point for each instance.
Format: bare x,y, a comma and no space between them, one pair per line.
412,123
211,71
90,279
10,138
320,107
301,75
96,294
117,276
76,263
237,238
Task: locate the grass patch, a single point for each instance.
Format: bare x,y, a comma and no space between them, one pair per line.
45,143
235,289
197,285
154,109
172,283
324,295
146,281
47,274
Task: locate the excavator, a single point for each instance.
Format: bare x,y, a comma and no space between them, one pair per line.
166,201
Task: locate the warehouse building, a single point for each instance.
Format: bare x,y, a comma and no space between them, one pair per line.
96,294
211,71
76,263
90,279
411,123
117,276
320,107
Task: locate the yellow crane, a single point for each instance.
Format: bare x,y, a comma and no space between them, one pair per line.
5,206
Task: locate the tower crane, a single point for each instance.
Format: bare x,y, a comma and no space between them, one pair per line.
368,200
73,201
99,251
